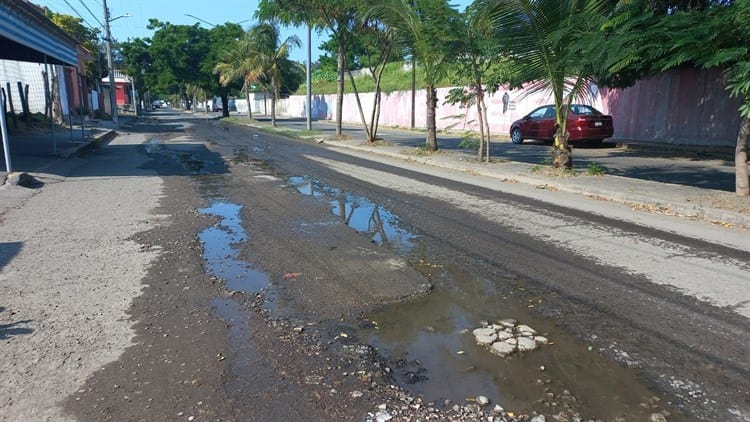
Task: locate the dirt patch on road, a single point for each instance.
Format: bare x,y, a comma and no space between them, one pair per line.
203,352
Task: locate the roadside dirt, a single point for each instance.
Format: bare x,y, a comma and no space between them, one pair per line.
202,352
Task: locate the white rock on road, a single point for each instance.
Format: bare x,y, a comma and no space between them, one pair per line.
502,348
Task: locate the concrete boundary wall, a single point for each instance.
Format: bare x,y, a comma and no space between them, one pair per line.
30,74
689,107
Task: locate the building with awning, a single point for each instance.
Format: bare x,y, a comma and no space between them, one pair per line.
124,91
27,35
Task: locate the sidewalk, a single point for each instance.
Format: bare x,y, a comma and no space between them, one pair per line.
34,150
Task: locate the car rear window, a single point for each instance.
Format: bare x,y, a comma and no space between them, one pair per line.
583,109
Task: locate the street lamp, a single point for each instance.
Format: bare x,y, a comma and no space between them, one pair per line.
213,24
200,19
110,69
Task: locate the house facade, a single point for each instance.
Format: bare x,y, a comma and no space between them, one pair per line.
41,63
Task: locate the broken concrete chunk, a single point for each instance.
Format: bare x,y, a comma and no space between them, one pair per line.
525,329
526,344
502,348
504,335
541,339
509,323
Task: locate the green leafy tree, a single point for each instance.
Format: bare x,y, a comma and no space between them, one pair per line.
375,43
239,62
259,57
433,28
338,16
479,68
183,55
87,37
546,39
178,53
219,37
136,55
274,57
708,34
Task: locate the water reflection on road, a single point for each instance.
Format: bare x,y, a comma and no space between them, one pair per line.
361,214
434,354
220,252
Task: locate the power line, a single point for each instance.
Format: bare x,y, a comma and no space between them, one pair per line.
92,13
79,15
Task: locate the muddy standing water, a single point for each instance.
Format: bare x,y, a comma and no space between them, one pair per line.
435,355
220,250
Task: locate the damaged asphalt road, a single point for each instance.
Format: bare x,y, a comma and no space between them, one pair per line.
331,314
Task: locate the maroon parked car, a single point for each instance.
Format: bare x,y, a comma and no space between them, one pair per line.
585,123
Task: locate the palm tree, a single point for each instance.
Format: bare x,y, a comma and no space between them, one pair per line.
271,59
432,28
238,62
258,58
336,16
546,39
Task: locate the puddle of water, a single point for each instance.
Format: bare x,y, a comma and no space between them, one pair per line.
309,187
220,252
438,359
240,344
361,214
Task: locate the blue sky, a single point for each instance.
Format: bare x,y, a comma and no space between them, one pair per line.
176,11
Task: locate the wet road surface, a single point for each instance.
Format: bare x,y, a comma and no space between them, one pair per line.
623,341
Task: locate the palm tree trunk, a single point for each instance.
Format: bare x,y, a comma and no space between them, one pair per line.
249,107
368,134
376,117
486,127
480,119
742,184
273,104
246,88
224,105
431,140
563,152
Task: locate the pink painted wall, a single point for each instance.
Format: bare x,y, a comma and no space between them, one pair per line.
688,107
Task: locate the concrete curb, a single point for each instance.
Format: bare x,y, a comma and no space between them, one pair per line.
92,143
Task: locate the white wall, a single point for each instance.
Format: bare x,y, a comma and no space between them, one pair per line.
396,109
30,74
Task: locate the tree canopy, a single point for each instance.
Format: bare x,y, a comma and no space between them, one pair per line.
87,37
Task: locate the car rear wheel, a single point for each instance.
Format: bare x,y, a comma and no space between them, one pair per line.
515,136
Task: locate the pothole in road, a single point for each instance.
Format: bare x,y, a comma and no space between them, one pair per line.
240,343
435,355
361,214
220,252
192,157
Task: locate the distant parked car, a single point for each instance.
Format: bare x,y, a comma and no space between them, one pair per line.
585,123
156,104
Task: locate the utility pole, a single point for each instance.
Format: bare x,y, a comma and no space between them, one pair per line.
112,87
308,80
